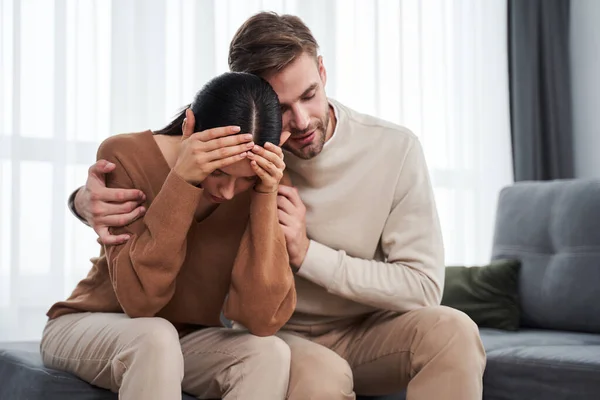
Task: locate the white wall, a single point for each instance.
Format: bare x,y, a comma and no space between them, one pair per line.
585,72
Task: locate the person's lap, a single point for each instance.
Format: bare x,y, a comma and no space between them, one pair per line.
145,358
223,362
376,354
316,372
384,351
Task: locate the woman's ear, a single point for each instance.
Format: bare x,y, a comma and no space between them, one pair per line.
285,135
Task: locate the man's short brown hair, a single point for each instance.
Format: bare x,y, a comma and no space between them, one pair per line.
268,42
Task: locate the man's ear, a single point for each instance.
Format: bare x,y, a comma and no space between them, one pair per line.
285,135
322,70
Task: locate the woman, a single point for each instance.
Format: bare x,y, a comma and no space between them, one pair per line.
145,322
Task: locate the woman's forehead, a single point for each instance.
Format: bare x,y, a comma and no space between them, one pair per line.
240,169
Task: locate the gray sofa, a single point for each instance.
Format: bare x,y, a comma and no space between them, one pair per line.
553,228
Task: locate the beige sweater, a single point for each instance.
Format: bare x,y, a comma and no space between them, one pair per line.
181,269
376,241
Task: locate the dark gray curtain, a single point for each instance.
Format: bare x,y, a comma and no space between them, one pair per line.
540,89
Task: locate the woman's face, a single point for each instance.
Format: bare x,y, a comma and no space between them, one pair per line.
229,181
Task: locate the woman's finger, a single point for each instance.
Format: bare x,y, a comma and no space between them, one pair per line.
227,141
226,152
215,133
262,174
270,156
187,127
275,149
264,164
224,162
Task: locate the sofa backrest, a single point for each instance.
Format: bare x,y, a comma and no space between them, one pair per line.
553,227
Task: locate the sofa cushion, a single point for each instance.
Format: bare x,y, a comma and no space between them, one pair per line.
489,295
494,339
23,376
541,365
553,229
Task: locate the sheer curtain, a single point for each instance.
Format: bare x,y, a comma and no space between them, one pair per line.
77,71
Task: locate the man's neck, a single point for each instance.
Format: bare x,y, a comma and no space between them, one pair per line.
331,125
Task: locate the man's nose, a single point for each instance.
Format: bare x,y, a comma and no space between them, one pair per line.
300,118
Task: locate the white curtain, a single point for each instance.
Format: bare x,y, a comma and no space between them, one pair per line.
77,71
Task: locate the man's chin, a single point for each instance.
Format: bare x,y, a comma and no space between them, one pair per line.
305,153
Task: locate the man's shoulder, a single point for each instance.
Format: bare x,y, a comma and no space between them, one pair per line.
384,130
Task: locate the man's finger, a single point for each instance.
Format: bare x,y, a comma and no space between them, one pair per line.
104,237
101,167
284,204
119,208
291,194
120,195
285,219
287,231
120,220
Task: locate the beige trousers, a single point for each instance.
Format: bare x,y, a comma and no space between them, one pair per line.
435,352
143,358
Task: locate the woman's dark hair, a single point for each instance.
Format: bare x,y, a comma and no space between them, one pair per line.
234,98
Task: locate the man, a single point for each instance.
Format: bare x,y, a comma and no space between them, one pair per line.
362,233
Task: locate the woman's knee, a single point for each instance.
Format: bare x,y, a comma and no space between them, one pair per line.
269,351
156,340
87,344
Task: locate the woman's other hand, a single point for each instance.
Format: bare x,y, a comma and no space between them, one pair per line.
268,164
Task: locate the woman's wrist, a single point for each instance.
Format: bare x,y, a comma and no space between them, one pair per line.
265,189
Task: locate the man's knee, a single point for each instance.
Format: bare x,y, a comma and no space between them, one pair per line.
450,329
320,375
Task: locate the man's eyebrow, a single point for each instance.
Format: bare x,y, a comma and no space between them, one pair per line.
305,93
310,89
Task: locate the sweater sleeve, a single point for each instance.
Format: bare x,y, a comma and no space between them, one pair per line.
413,274
143,269
71,204
262,296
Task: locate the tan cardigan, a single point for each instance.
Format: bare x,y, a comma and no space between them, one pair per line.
184,270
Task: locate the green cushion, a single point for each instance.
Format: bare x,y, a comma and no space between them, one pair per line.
488,294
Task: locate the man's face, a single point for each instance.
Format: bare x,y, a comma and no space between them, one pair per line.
304,106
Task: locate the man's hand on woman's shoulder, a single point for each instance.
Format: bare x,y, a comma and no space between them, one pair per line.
103,207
